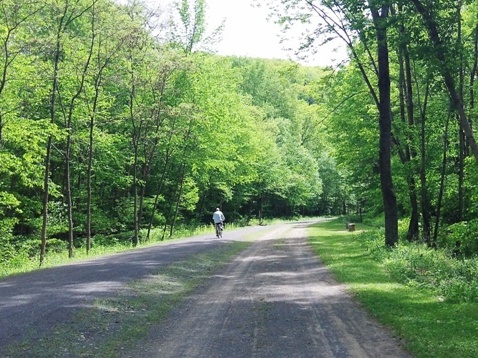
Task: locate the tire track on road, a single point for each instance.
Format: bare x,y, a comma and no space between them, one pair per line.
274,300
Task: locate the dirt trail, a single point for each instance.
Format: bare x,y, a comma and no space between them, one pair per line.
275,300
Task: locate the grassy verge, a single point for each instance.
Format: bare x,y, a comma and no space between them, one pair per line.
113,325
427,326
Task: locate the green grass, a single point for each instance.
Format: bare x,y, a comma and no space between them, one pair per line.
428,327
27,264
115,324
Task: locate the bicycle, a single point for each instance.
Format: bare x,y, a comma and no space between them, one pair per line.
219,230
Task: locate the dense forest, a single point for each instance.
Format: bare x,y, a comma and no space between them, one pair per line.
117,118
111,123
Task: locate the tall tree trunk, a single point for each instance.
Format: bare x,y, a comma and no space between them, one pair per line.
135,138
102,63
461,174
380,13
163,177
178,200
46,179
425,201
474,67
150,152
385,125
68,191
172,202
463,144
89,174
156,198
46,186
442,181
407,116
68,126
261,208
3,76
64,19
135,239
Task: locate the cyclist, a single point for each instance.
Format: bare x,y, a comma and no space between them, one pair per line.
218,218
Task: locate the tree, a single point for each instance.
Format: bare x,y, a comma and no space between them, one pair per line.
380,16
348,21
21,140
65,16
445,68
189,31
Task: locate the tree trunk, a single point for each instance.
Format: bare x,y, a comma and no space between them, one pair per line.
425,202
135,239
408,118
46,179
261,206
463,144
461,174
156,198
474,68
161,183
178,200
68,126
135,137
442,181
90,155
385,125
3,76
68,192
172,202
89,174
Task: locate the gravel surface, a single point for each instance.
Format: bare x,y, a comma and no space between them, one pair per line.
275,299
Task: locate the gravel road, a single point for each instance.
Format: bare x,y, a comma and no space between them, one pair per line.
275,299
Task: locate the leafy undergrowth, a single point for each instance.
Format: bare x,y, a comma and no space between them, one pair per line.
111,326
429,324
453,279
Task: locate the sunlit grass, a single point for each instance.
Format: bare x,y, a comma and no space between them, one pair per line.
53,259
428,327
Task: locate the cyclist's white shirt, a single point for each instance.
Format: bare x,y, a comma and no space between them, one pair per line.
218,217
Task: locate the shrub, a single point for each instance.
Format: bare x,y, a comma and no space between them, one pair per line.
374,221
374,242
461,238
7,253
56,245
416,264
104,240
